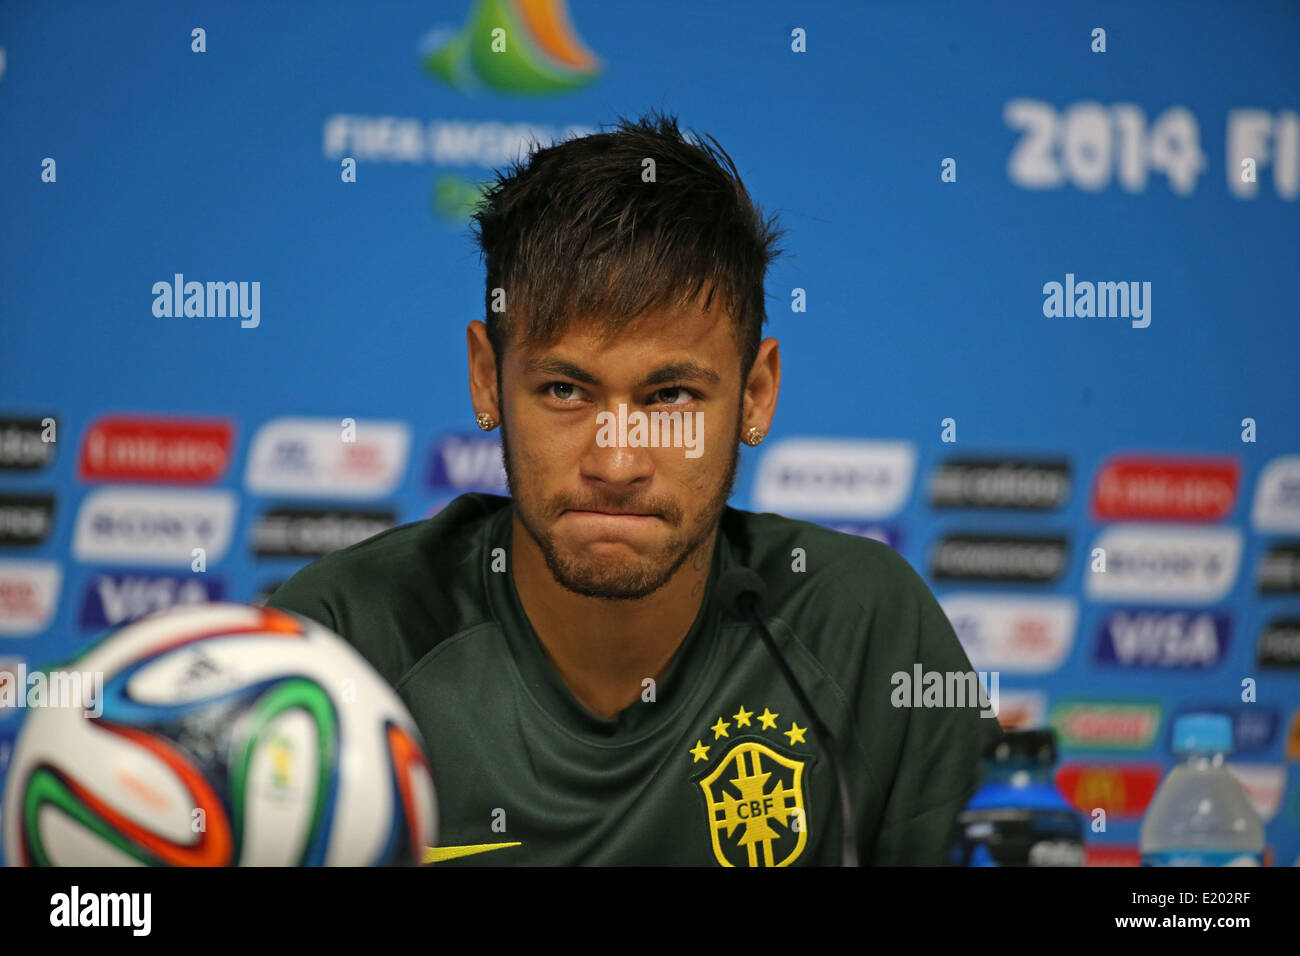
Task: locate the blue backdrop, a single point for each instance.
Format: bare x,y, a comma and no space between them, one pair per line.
937,167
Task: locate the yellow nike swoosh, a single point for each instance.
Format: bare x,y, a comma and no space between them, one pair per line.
436,854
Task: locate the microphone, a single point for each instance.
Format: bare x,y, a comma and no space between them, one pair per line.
740,589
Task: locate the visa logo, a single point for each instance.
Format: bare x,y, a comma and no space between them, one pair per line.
113,599
468,463
1169,640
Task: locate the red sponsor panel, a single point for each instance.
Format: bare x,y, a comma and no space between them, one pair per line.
1115,855
156,450
1144,488
1121,789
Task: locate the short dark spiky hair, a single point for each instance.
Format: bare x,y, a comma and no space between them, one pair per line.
573,233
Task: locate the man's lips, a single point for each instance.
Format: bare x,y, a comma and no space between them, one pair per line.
610,519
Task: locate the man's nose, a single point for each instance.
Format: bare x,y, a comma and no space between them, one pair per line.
615,454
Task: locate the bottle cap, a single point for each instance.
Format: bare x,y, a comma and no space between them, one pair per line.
1203,733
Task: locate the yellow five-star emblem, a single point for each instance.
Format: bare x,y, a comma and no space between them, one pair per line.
768,719
700,751
720,729
795,733
742,716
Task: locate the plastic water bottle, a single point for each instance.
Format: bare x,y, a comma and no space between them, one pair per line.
1018,816
1200,816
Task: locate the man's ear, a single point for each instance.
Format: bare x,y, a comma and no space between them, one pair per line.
482,371
758,401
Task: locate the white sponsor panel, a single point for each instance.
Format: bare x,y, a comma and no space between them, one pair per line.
29,592
835,478
1015,635
1150,563
310,457
1277,497
1263,783
154,526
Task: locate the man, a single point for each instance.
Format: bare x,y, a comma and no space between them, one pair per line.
583,695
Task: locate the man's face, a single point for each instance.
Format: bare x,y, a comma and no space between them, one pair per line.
566,474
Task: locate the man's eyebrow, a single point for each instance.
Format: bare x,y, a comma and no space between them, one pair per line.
561,368
688,370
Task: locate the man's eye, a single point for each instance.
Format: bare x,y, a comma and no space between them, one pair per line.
550,387
686,395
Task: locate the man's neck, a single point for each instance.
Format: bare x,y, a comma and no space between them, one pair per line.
604,649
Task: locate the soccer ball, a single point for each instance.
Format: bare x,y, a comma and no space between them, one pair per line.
230,734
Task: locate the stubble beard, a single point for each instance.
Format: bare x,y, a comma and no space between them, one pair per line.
595,578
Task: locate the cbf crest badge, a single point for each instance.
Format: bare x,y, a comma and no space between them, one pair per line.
753,791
